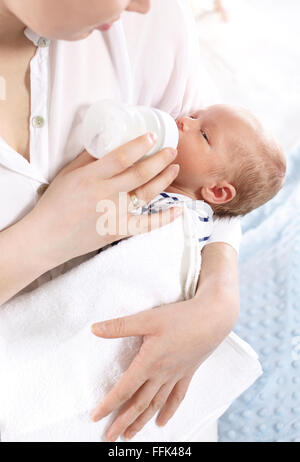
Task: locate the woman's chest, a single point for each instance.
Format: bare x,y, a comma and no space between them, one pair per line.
64,79
14,120
15,106
41,115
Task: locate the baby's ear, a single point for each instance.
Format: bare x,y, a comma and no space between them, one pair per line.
219,194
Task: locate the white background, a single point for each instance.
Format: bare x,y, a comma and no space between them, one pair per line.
254,60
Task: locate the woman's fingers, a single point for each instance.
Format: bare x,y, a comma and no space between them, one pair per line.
156,404
158,184
139,224
174,400
144,171
120,159
81,160
129,383
135,406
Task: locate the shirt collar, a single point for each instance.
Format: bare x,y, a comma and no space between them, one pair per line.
36,39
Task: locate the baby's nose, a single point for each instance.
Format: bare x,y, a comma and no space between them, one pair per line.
188,123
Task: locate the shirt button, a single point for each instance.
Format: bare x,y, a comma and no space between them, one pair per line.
42,189
38,122
43,42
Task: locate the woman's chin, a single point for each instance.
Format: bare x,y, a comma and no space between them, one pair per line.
105,27
76,37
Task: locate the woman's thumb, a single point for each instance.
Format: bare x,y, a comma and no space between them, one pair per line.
80,161
135,325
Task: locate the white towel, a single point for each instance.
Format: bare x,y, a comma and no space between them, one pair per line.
54,371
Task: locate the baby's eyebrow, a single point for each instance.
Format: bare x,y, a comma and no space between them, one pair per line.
211,123
196,114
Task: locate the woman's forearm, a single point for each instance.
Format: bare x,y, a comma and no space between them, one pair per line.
23,257
218,283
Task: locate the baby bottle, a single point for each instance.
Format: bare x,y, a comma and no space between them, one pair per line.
108,125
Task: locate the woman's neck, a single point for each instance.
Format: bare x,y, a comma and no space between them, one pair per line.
11,28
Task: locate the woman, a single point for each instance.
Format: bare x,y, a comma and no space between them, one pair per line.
48,82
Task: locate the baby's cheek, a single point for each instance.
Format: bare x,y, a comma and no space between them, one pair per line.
189,168
185,157
182,151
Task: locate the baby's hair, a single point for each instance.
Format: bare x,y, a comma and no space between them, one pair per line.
258,175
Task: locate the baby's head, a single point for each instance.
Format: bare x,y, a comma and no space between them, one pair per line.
228,160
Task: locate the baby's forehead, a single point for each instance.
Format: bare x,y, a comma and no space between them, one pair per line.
241,129
240,123
234,114
236,127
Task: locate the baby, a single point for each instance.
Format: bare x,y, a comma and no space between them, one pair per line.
228,160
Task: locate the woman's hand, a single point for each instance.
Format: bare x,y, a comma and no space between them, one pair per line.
64,223
67,216
159,376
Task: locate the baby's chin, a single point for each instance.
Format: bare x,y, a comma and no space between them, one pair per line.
182,153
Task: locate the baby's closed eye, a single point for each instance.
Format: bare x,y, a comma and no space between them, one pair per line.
203,133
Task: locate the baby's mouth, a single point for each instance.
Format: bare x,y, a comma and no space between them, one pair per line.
179,124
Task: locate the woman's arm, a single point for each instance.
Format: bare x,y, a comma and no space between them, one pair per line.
23,257
219,269
63,224
160,374
219,274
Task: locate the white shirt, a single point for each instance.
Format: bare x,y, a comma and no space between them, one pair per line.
144,59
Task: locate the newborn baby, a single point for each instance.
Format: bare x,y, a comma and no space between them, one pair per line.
228,160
